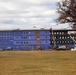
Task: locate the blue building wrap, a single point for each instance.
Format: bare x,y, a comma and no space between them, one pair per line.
25,39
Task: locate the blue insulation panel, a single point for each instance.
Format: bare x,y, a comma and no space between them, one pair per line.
24,39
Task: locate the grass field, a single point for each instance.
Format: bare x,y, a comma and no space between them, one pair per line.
37,63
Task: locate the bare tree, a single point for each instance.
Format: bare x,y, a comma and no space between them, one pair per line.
67,12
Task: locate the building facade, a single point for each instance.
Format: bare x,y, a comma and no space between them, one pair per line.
34,39
63,38
25,39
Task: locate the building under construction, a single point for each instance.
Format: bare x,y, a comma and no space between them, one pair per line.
65,38
37,39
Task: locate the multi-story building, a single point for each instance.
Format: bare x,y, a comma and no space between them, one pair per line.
34,39
25,39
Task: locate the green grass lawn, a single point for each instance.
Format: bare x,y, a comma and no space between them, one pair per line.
37,63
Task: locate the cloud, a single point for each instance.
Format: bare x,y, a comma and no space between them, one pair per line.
27,13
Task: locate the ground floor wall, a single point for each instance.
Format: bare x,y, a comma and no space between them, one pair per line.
27,47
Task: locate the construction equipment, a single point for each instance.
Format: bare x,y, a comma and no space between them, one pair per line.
73,49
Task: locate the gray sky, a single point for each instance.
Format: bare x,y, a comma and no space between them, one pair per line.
25,14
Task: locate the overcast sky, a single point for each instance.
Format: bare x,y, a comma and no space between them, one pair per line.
25,14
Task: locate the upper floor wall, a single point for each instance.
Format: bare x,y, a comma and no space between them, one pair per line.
24,32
